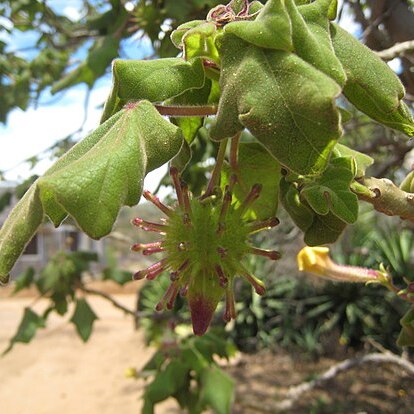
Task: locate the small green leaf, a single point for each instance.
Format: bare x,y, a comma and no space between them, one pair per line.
166,382
271,28
256,165
178,34
217,390
331,191
406,337
407,184
199,43
324,230
153,80
362,161
300,213
29,324
287,104
24,280
318,229
371,86
83,319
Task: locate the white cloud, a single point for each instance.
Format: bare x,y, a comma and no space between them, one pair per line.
73,13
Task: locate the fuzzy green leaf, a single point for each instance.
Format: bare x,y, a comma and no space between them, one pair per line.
178,34
362,161
256,165
199,43
371,86
93,188
271,28
318,229
153,80
331,191
312,39
83,319
300,213
94,179
324,230
18,230
217,390
29,324
285,103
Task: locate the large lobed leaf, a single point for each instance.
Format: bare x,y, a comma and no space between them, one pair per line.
94,179
286,103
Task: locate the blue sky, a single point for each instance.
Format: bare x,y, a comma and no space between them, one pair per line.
33,131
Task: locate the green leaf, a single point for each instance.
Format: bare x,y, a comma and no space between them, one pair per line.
18,230
83,319
318,229
285,103
312,39
100,56
300,213
111,173
166,382
199,43
331,191
371,86
24,280
178,34
271,28
94,179
406,337
217,390
362,161
407,184
256,165
117,275
153,80
324,230
29,324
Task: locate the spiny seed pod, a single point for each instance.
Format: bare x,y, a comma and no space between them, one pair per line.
204,242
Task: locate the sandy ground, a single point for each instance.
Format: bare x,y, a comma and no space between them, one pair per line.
57,373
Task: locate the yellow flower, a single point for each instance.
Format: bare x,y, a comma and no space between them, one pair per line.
316,260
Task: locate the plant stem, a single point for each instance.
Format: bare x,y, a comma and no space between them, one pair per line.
173,110
108,298
234,152
387,198
215,175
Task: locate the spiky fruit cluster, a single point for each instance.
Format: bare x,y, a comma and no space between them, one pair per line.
205,240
